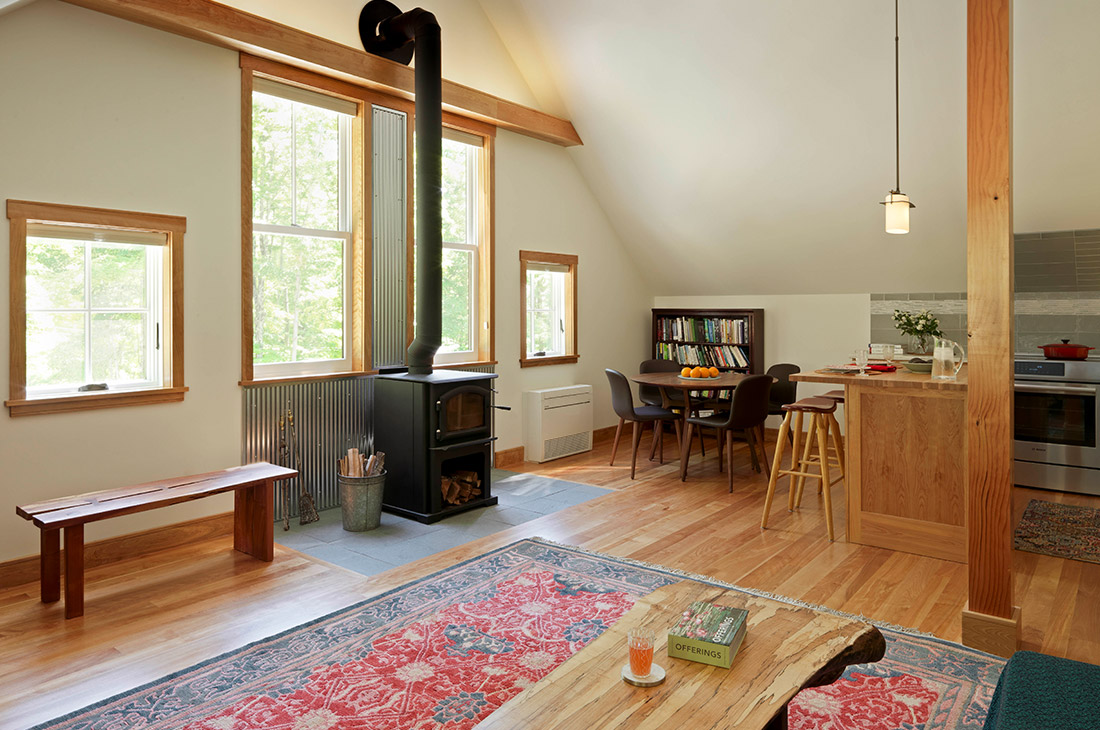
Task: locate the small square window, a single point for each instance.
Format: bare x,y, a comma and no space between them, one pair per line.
549,293
95,308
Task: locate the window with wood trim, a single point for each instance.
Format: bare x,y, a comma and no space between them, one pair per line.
97,308
302,237
467,248
548,300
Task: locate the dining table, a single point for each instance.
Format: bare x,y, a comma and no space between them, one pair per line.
674,381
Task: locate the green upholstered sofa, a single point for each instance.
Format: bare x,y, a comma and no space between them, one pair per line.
1040,692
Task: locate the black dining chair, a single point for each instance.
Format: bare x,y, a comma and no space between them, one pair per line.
747,413
651,394
622,400
784,390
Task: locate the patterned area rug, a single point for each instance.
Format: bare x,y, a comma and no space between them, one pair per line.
1061,530
446,650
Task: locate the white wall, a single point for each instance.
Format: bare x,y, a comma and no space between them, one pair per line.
543,204
809,330
101,112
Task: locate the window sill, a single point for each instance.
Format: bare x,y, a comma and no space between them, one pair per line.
93,400
305,378
530,362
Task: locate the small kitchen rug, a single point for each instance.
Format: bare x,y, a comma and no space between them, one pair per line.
1062,530
447,650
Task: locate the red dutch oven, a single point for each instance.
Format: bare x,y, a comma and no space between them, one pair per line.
1065,351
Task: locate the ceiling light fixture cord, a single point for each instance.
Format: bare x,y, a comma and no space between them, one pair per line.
897,105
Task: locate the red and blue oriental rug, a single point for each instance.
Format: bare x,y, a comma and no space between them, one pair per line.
444,651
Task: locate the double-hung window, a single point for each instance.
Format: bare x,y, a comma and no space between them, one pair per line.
461,236
97,314
301,231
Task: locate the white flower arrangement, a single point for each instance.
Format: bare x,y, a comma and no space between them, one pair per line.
917,324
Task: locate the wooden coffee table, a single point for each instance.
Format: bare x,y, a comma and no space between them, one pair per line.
787,648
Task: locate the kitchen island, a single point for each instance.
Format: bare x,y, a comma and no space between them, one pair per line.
905,438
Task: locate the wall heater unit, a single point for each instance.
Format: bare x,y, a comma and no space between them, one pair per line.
559,422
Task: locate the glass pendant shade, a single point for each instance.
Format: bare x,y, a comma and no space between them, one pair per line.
897,212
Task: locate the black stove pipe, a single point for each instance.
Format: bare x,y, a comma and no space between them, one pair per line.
387,32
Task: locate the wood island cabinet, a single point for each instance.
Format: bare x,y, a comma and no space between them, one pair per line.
905,438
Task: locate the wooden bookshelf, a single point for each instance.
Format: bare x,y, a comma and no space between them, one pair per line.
710,335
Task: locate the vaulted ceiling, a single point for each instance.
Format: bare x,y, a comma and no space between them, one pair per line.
742,146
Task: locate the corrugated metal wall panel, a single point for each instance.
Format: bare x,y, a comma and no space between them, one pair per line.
388,178
331,416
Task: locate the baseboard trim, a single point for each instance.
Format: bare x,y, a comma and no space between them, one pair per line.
992,634
113,549
603,434
508,457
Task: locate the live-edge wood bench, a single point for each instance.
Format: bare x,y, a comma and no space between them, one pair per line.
253,519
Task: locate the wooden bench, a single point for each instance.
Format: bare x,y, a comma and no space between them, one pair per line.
253,519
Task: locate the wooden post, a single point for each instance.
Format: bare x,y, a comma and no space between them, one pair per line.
989,621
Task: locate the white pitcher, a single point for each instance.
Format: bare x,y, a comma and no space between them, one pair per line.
945,366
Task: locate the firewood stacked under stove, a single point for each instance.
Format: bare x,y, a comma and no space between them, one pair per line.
460,487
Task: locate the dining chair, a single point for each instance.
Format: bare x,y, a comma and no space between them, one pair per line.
747,413
651,394
622,400
784,390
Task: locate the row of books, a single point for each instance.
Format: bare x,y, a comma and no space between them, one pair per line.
703,329
719,356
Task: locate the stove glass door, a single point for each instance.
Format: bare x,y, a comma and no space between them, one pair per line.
463,413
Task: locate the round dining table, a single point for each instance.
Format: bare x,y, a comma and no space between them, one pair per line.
672,380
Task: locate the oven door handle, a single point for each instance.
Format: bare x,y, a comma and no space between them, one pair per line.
1054,389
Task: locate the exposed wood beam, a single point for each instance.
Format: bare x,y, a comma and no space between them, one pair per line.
989,622
228,27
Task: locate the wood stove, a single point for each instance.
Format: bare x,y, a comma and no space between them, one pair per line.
434,427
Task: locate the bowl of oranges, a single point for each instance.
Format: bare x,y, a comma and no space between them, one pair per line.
699,373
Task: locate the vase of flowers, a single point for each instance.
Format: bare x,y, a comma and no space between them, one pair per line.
921,327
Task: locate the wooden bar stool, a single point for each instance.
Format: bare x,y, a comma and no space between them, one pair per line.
821,411
836,457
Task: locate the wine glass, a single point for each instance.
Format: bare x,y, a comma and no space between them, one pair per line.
861,360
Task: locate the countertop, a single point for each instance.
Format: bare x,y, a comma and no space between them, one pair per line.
900,379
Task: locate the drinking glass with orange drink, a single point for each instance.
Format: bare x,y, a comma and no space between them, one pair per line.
639,643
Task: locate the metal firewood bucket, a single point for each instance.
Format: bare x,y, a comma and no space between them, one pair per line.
361,501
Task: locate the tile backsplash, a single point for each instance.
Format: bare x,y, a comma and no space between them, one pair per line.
1057,295
949,308
1041,317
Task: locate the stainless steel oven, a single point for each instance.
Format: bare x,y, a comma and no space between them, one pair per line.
1056,419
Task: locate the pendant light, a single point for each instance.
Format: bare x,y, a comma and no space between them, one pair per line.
897,203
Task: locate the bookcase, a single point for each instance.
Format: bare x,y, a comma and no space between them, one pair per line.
728,339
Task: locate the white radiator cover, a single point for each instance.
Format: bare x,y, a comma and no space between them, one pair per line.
558,422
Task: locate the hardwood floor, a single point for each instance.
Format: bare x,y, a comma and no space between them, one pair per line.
157,613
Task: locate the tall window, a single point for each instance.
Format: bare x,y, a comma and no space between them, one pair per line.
302,230
548,284
95,319
461,234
